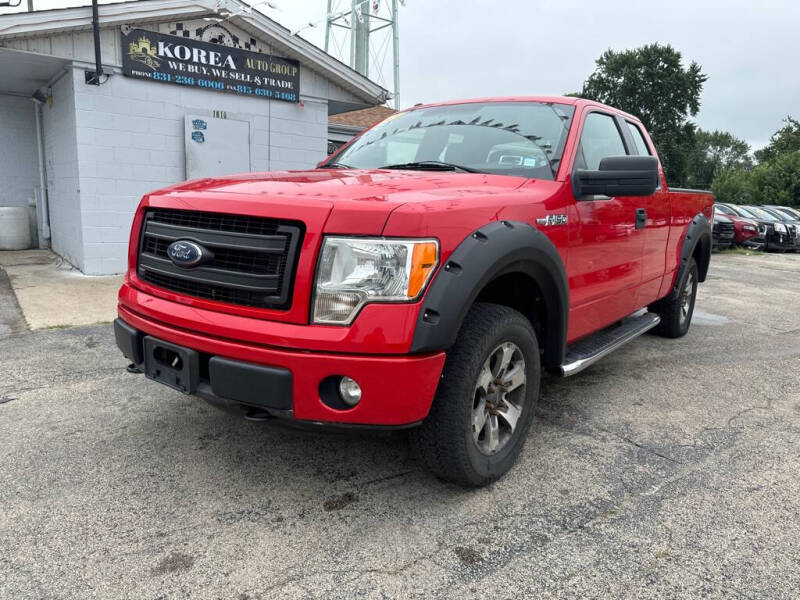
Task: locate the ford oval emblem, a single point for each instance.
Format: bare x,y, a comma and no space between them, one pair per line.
184,253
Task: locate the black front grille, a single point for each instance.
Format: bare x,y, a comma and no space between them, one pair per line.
224,258
722,234
217,221
251,259
726,230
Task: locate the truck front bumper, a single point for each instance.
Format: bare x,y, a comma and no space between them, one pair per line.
396,390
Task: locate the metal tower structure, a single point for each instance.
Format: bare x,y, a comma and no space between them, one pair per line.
362,33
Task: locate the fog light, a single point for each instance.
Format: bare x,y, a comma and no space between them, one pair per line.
349,391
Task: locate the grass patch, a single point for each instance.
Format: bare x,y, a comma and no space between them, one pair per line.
739,251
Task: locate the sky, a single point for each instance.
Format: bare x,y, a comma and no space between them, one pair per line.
452,49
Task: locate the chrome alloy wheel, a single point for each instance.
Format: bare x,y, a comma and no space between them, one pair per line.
499,398
686,297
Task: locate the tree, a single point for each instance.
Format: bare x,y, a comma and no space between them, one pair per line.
783,141
733,186
713,153
776,181
651,83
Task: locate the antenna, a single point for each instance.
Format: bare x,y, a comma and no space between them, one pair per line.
362,33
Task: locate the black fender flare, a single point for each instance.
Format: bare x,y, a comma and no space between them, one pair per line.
496,249
698,233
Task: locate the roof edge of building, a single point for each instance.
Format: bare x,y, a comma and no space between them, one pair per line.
45,22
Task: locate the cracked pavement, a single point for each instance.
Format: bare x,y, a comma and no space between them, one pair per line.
669,469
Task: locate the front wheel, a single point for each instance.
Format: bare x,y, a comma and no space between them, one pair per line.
676,310
485,401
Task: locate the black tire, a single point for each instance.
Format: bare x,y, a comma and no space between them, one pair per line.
446,443
674,321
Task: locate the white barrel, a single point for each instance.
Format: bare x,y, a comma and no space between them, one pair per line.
15,233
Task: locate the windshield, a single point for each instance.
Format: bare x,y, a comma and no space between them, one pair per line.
525,139
723,209
743,213
786,213
793,212
760,213
777,214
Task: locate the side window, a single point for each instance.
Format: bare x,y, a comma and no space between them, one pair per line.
600,138
638,139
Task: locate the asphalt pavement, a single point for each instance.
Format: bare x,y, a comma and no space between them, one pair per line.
669,469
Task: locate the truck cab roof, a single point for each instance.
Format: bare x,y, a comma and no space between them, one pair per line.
568,100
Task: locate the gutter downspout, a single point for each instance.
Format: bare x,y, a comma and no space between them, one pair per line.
93,77
96,31
43,204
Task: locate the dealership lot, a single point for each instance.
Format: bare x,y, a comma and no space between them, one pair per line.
669,468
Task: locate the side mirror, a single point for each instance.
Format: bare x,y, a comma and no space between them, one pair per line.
618,176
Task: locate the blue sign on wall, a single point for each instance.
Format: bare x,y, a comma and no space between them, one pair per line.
198,124
198,137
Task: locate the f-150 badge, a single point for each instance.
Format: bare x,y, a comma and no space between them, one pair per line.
552,220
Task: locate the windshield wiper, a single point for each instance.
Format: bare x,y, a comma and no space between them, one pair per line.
436,165
336,165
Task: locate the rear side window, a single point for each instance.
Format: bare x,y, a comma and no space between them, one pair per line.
638,139
600,138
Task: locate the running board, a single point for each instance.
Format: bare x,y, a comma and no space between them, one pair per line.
589,350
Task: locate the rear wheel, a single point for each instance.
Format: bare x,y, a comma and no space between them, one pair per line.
676,310
485,401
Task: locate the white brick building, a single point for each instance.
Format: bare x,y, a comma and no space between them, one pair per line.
104,146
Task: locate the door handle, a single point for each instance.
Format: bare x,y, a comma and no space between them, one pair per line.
641,218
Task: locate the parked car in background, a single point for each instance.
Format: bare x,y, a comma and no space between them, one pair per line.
746,231
792,222
773,240
787,210
722,232
785,238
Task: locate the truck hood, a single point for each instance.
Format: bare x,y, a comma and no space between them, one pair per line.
360,198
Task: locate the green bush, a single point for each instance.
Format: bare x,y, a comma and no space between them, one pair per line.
773,182
733,186
778,180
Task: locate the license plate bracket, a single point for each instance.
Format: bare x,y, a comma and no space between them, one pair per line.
172,365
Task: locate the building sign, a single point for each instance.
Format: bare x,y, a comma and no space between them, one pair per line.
191,63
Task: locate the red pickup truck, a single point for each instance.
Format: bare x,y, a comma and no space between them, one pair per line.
420,278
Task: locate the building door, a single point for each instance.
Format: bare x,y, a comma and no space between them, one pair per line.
216,147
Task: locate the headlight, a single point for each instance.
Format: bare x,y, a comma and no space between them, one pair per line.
780,227
353,272
749,228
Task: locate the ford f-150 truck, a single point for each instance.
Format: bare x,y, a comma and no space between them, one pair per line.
421,278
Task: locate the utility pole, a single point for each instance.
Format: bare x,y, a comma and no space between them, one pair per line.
359,36
396,56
